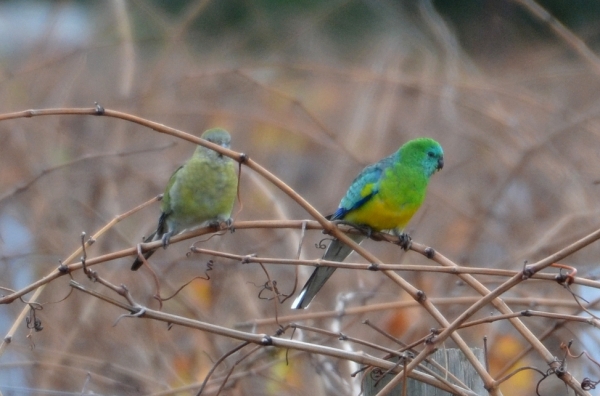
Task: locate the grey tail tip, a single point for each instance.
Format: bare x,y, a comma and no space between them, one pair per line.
138,263
300,302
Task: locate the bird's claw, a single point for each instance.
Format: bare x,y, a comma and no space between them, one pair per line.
404,240
222,225
365,229
166,239
229,225
216,224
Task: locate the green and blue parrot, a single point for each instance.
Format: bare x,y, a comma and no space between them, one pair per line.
384,196
200,192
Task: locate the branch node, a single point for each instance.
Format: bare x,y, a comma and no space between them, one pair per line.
526,312
266,340
432,338
99,109
528,272
373,267
62,268
429,252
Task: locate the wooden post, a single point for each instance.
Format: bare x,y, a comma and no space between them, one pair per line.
452,359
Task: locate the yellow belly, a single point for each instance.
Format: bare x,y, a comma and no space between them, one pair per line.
379,216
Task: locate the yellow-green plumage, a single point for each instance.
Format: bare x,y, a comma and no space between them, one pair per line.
384,196
201,191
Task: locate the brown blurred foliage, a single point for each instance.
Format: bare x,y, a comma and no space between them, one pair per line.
313,101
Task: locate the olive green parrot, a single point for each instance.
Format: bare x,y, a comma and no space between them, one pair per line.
201,192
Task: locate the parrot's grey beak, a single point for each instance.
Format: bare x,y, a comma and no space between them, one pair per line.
440,164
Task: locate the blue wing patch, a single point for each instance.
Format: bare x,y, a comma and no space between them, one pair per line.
363,187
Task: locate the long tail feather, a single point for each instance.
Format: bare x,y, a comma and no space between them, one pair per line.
337,251
138,263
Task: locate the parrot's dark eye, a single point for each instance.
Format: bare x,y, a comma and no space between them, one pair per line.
431,154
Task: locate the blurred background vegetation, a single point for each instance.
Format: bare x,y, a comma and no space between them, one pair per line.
313,91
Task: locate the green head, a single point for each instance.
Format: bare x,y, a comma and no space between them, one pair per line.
217,136
423,151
